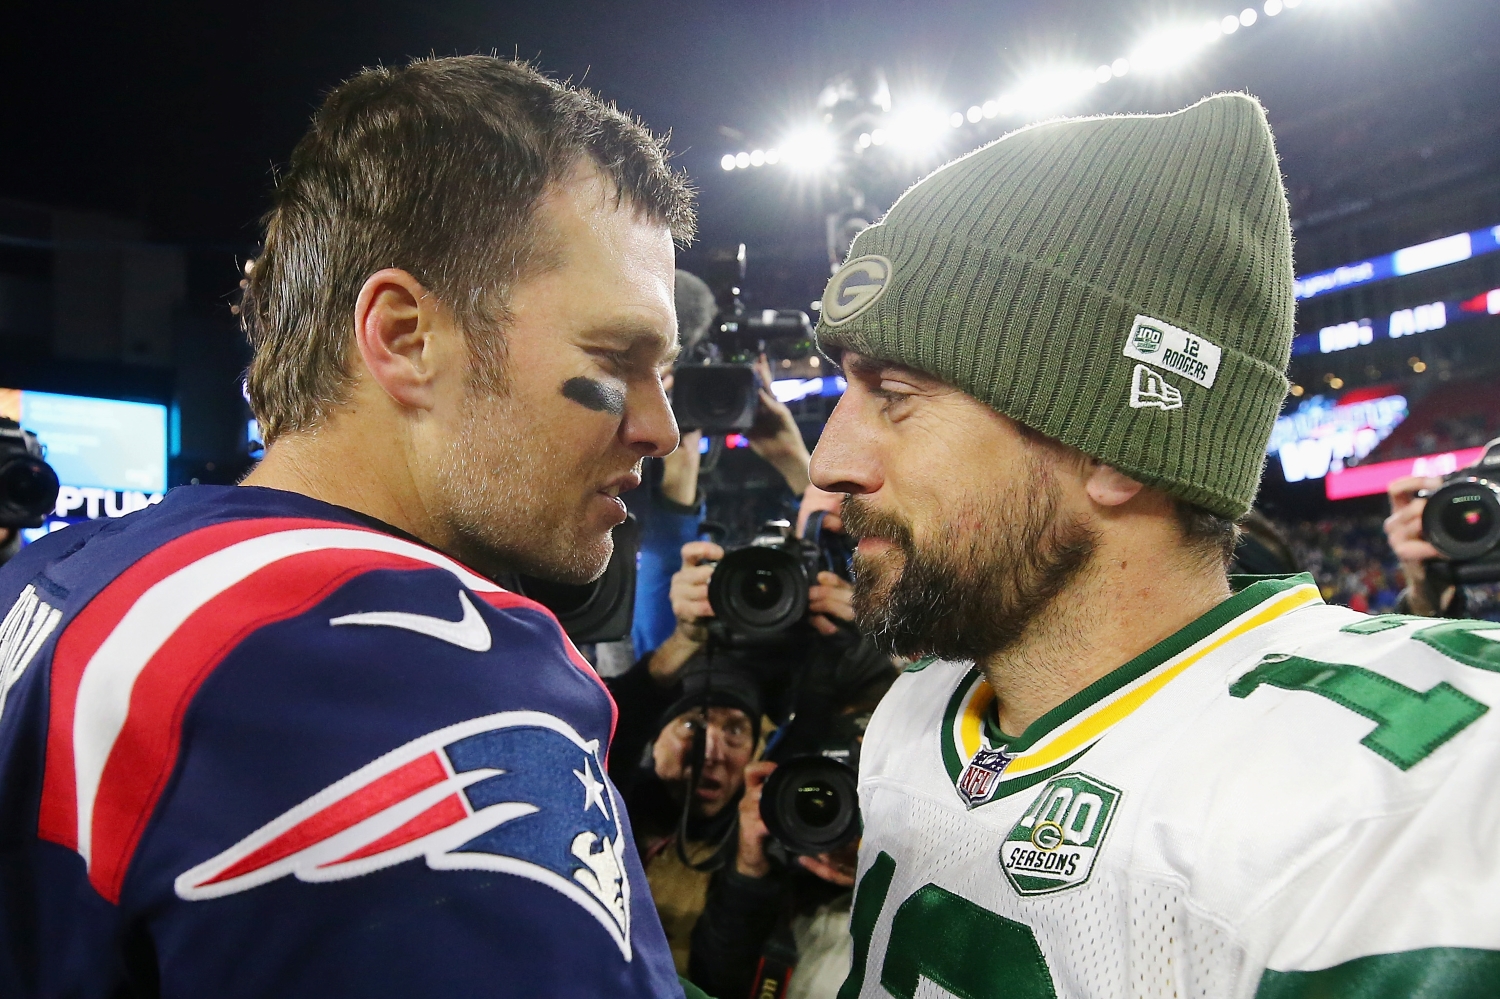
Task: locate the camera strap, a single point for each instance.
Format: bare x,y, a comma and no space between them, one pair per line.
778,960
717,854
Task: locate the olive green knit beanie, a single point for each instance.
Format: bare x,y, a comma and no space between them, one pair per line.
1122,284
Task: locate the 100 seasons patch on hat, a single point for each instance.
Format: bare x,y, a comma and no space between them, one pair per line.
1122,284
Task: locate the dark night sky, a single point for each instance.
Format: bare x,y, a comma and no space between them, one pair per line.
175,113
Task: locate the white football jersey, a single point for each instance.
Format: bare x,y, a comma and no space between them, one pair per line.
1284,799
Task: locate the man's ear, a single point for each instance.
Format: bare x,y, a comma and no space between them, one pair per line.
394,321
1108,486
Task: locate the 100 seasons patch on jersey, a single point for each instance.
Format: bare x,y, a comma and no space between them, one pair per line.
1054,845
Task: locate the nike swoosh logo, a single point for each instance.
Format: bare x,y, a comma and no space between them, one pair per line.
469,632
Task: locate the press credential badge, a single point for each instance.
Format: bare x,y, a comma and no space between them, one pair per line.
1164,346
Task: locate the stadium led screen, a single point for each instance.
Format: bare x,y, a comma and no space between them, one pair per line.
1370,480
1411,260
109,455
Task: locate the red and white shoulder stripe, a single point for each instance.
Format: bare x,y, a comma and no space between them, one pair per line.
126,668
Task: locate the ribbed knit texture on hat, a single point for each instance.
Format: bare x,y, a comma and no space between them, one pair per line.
1017,273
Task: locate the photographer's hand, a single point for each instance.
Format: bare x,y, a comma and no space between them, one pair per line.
837,867
1403,529
750,860
776,437
831,597
689,596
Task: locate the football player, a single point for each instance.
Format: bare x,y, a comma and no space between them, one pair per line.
1115,771
290,738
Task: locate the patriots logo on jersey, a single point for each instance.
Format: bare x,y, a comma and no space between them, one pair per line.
518,792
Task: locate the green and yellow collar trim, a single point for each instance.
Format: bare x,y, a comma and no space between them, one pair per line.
1057,739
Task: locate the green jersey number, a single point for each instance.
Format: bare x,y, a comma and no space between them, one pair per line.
970,951
1409,724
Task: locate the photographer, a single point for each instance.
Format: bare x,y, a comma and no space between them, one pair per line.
768,921
682,786
1403,529
671,510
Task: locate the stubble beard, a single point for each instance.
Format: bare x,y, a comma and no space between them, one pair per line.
504,508
972,595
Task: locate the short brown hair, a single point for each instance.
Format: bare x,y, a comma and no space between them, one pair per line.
1209,536
437,168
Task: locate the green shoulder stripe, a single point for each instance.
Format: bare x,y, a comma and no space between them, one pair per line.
1449,972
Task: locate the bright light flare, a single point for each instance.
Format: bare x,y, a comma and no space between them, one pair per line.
727,161
806,150
1168,49
917,128
1048,90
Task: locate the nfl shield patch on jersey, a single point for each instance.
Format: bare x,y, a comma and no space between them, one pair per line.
981,777
1054,845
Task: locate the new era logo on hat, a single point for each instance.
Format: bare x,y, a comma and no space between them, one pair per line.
1150,390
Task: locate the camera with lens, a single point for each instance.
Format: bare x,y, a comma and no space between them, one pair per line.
714,389
28,485
810,803
759,591
1462,520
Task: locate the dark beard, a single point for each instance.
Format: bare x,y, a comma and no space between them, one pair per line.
967,597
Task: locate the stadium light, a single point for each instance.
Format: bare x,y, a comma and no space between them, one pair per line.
1036,95
1047,90
807,150
917,127
1167,49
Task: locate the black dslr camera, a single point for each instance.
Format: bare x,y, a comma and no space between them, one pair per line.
759,591
28,485
1462,520
714,389
810,803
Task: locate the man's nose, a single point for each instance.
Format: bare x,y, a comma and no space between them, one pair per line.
713,744
649,428
845,459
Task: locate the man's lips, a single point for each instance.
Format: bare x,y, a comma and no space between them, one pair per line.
874,545
612,489
621,484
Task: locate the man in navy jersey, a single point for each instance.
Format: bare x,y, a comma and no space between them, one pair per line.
292,738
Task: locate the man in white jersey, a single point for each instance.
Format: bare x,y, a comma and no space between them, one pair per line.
1116,772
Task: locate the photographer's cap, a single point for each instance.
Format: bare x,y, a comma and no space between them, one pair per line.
1122,284
707,684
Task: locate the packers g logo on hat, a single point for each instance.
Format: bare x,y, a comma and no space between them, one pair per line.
856,287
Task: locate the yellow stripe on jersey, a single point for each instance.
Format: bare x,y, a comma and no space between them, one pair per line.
1085,728
1112,712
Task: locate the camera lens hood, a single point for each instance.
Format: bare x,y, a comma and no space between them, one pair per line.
1462,518
758,592
28,491
810,804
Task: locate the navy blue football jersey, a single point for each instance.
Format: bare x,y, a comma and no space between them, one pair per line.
253,745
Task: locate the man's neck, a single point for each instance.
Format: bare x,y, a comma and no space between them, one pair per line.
318,465
1117,608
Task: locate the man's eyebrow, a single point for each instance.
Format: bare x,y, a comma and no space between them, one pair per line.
629,337
874,367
